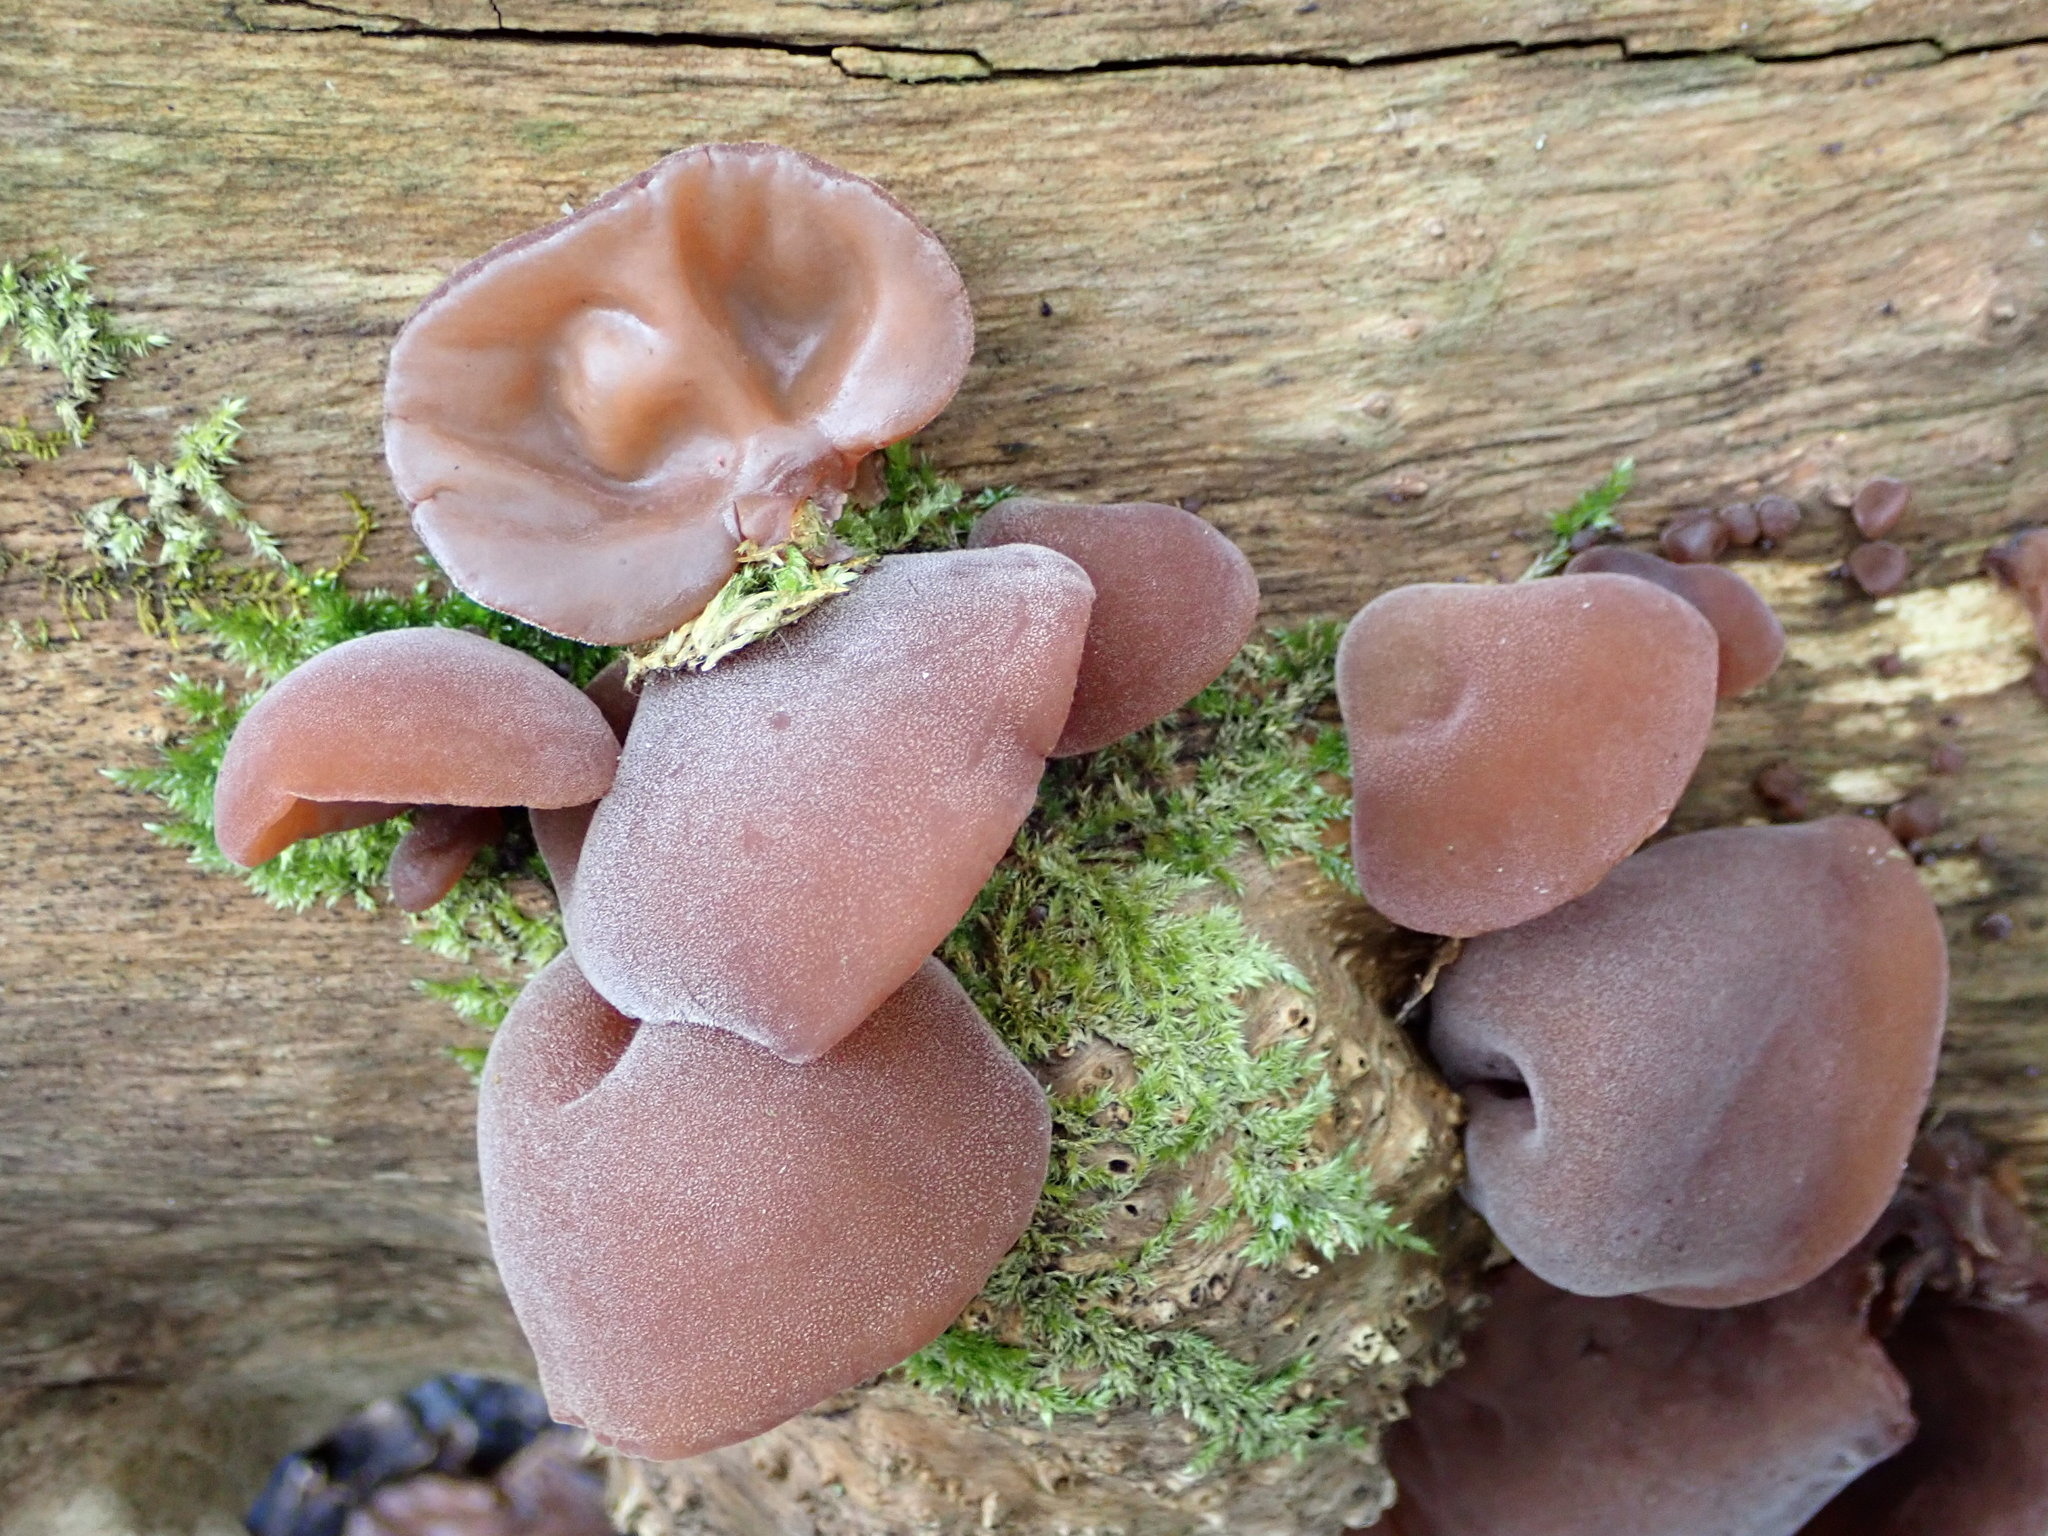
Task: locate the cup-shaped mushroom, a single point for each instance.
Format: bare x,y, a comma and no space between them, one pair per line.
1574,1415
588,420
437,848
701,1239
405,717
792,832
1752,641
1174,602
1511,744
1701,1081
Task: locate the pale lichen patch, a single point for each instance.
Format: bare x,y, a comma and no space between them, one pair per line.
1960,641
1954,880
1869,785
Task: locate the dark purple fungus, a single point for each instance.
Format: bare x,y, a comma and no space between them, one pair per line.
1782,788
1743,525
1693,538
1880,569
701,1239
1752,641
1914,819
1700,1082
792,832
1967,1325
2021,563
436,849
407,717
1577,1416
1174,602
1511,744
1777,517
592,419
1879,505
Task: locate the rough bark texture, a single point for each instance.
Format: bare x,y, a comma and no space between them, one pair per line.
1375,286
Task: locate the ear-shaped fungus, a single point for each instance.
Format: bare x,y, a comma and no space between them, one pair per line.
1970,1333
436,717
701,1240
591,418
1174,602
437,848
792,832
1511,744
1701,1080
1573,1415
1752,640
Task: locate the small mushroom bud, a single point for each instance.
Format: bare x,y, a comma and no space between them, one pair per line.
1694,538
590,420
1573,1415
2021,563
1174,602
1879,505
1701,1081
1743,525
701,1240
436,717
1880,569
1752,641
1511,744
792,832
1777,517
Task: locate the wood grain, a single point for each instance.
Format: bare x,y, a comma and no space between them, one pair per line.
1376,320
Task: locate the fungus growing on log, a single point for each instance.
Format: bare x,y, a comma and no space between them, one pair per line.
1752,641
1694,538
437,848
1880,569
701,1239
429,717
589,421
1174,601
792,832
1700,1081
1573,1415
1879,505
2021,563
1511,744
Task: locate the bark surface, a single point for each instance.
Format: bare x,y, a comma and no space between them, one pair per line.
1378,285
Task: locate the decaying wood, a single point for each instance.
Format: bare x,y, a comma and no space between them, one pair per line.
1376,316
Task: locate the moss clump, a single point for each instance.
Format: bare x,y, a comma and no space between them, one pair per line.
1592,511
49,314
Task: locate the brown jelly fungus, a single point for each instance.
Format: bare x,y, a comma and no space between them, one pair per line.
1700,1081
589,420
1880,569
1914,819
436,849
701,1240
1693,538
1511,744
1752,641
1995,926
1879,505
2021,563
1174,602
1947,758
403,718
1782,788
1777,517
1743,525
793,831
1573,1416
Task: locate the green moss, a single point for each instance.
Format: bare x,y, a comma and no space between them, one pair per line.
1594,510
49,314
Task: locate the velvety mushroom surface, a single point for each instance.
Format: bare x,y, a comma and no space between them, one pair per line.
1576,1416
1752,641
588,420
792,832
1701,1080
436,717
701,1239
1511,744
1174,601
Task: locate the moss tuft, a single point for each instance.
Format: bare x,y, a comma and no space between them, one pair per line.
1594,510
48,312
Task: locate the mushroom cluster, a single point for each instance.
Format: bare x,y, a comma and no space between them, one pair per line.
746,1143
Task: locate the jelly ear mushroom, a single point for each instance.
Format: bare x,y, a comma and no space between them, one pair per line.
1700,1081
436,850
701,1240
1752,641
429,717
792,832
1174,601
1574,1415
2021,563
1511,744
589,420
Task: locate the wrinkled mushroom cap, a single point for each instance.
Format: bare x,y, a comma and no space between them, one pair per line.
1575,1416
1701,1081
701,1239
1511,744
406,717
588,420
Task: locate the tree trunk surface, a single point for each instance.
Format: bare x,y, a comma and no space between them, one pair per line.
1377,285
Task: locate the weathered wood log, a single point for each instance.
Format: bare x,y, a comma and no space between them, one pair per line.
1377,312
